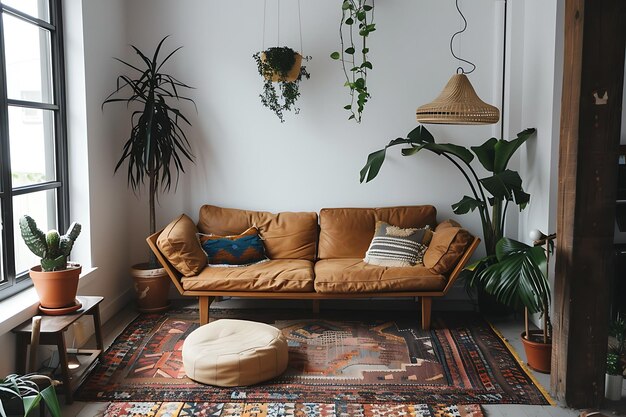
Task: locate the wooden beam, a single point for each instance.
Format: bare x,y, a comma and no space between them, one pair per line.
590,134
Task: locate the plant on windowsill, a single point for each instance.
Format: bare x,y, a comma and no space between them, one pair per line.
615,360
55,279
357,19
21,394
155,150
282,71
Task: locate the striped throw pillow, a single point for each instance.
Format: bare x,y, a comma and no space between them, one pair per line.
396,247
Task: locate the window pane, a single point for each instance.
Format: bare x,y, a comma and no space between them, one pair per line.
41,206
31,137
35,8
27,54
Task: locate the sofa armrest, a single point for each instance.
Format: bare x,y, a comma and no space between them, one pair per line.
461,264
173,273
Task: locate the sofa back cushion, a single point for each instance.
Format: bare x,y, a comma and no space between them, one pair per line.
179,243
447,246
347,232
286,235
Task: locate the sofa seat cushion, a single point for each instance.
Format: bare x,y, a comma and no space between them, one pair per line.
281,275
352,275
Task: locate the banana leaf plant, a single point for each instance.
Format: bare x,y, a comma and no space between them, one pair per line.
491,195
27,388
157,144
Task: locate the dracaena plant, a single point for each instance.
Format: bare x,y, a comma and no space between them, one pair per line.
490,195
157,144
27,388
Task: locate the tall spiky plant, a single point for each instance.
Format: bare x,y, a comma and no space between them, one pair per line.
157,144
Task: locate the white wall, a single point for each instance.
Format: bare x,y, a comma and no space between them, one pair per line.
247,159
98,197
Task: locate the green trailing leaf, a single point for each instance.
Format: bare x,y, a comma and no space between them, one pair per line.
335,55
372,166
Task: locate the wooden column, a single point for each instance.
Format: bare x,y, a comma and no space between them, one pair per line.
590,134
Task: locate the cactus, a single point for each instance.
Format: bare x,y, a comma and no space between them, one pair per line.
52,248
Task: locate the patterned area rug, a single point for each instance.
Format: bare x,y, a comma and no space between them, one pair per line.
182,409
372,358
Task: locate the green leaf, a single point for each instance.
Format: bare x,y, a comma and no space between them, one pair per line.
346,5
359,83
30,402
421,134
49,397
504,150
449,148
466,204
367,7
365,50
349,21
501,185
348,107
372,166
366,64
361,15
486,153
349,50
335,55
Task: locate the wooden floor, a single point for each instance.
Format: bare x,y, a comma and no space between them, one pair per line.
510,328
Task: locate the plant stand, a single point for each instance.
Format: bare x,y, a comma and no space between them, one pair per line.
52,333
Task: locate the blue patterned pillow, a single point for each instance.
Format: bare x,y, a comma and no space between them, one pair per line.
239,250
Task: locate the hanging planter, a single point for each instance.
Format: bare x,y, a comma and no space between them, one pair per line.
282,71
357,21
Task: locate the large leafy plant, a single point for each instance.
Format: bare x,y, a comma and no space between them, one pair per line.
157,144
490,195
357,21
27,388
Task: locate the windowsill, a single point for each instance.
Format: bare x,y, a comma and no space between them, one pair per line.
23,305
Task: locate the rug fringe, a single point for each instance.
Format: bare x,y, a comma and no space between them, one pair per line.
521,362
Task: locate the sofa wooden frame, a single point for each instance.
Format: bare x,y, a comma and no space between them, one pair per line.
206,297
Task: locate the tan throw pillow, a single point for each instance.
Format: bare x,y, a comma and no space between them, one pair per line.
179,244
393,246
446,248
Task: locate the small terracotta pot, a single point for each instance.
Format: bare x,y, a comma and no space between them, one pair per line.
539,354
293,73
152,287
56,289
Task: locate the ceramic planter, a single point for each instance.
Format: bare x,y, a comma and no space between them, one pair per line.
152,287
613,387
538,354
56,289
291,76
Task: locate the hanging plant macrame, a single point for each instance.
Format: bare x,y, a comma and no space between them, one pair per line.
282,71
357,18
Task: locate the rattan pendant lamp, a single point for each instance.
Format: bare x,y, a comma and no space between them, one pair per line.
458,103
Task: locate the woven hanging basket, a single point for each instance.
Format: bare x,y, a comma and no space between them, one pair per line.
458,104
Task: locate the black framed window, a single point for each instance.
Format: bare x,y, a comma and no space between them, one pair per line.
33,145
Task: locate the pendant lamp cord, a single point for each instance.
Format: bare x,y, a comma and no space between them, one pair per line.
460,69
503,72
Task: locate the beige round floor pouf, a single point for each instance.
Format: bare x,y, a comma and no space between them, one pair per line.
230,353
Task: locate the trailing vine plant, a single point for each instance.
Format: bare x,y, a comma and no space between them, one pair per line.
357,18
281,86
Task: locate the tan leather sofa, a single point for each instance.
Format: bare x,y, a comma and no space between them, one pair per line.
313,256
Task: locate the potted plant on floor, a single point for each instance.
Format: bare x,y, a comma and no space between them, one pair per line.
21,394
282,71
155,151
615,360
491,195
55,279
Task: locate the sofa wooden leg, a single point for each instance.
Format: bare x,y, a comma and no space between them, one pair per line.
205,303
316,306
426,308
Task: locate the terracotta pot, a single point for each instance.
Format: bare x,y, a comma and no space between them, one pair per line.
293,73
613,387
152,286
539,354
56,289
